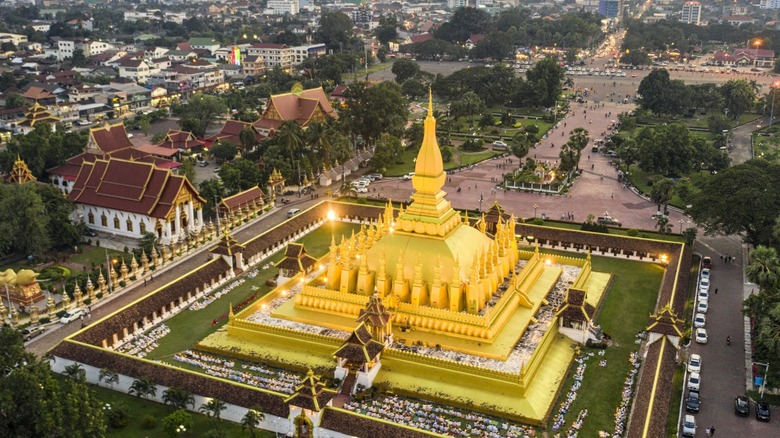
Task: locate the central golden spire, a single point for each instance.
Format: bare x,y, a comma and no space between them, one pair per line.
429,213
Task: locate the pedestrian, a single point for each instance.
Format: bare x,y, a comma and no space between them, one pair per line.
707,432
151,277
716,291
144,281
721,257
712,430
89,316
613,196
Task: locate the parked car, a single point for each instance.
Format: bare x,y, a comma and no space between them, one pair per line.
762,411
408,175
361,190
704,284
706,263
699,320
705,273
90,232
32,331
702,307
693,402
217,169
694,363
608,220
703,295
689,426
742,406
694,382
203,163
71,315
701,335
498,144
374,176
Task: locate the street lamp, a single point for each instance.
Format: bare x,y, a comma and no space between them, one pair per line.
481,198
109,269
682,221
535,207
757,43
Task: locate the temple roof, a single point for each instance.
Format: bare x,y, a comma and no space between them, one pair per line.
311,394
37,114
360,347
666,322
20,173
296,259
231,132
375,313
575,308
241,199
180,140
130,186
227,245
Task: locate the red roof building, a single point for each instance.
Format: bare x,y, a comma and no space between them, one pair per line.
181,141
129,198
231,133
302,106
107,141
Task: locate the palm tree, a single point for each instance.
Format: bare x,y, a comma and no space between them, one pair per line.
769,330
108,376
75,371
568,82
248,139
290,136
143,387
663,225
764,268
251,419
319,135
178,398
213,408
661,192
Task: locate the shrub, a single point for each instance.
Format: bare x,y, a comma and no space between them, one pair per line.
97,242
87,301
118,417
44,320
132,278
99,295
126,250
537,221
216,433
633,232
61,313
149,422
122,283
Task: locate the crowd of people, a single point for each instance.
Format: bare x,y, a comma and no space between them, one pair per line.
563,409
210,298
444,420
144,343
621,413
254,375
577,424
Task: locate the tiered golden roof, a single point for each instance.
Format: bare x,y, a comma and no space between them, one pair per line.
37,114
20,173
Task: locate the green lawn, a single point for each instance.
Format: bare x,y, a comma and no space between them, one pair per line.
624,313
190,326
698,120
644,180
96,256
459,159
139,408
767,148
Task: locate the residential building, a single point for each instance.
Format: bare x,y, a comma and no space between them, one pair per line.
13,38
65,49
769,4
301,53
283,7
135,69
691,13
209,44
92,48
455,4
272,54
746,57
252,66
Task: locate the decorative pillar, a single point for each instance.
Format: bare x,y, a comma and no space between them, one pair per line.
164,254
35,314
114,280
14,315
134,267
191,215
4,310
51,307
66,297
144,262
200,217
123,270
78,296
155,258
101,285
178,219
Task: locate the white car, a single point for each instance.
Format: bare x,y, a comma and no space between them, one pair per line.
499,144
408,175
689,426
72,315
361,190
699,320
704,284
703,296
694,381
702,307
374,176
701,335
694,363
705,273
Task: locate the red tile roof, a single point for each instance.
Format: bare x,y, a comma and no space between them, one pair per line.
131,186
231,132
416,39
299,107
180,140
242,199
108,138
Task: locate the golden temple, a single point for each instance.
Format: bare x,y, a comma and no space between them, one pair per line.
461,305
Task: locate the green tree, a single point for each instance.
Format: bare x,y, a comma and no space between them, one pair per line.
213,408
629,153
404,69
110,377
414,88
61,230
248,139
469,105
252,419
764,268
290,137
663,225
661,193
15,100
336,30
388,151
741,199
75,371
145,125
200,111
212,190
373,111
178,398
187,169
143,387
738,96
545,79
23,221
34,403
239,175
486,121
223,151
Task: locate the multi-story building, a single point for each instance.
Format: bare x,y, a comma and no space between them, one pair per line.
769,4
300,53
282,7
92,47
273,55
209,44
65,49
691,13
611,8
135,69
13,38
455,4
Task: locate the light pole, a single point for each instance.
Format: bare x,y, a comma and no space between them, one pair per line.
481,198
535,207
757,44
682,221
766,371
109,268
